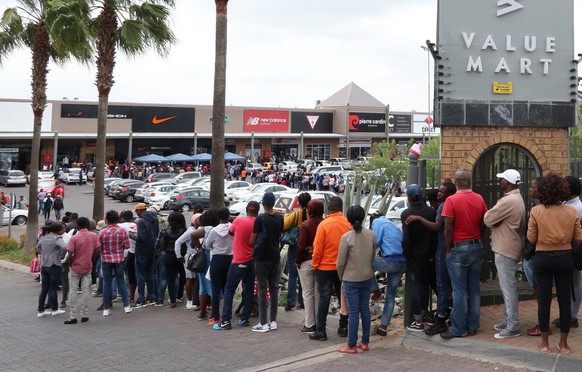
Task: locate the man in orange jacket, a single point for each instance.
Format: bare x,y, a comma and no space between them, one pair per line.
325,250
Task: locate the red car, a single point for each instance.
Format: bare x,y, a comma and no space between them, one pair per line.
54,187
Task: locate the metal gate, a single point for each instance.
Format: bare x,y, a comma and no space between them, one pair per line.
492,161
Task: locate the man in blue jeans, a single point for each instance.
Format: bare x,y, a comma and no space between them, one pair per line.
391,262
463,213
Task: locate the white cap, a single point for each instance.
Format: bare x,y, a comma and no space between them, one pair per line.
511,175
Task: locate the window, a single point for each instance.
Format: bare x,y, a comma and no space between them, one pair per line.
318,151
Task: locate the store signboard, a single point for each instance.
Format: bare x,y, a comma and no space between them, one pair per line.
399,123
163,119
266,121
86,111
311,122
367,122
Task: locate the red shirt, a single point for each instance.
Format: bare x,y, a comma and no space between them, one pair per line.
81,246
242,228
467,209
113,240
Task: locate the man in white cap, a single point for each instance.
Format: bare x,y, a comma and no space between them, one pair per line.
507,223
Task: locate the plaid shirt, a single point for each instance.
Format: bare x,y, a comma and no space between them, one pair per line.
113,240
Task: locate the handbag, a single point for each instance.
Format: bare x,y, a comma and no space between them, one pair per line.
196,261
290,236
35,265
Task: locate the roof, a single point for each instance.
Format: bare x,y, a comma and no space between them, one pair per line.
351,95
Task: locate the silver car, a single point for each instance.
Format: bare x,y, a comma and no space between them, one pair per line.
12,177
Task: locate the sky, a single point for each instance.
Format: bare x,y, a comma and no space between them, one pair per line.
280,54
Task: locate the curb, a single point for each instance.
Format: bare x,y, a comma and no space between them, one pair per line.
16,267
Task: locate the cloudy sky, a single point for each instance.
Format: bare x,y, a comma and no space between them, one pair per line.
280,53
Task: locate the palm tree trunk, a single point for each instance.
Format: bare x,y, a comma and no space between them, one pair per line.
99,175
40,60
217,165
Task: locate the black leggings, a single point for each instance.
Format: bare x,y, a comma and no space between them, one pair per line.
554,267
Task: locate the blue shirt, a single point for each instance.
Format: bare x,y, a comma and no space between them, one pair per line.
388,238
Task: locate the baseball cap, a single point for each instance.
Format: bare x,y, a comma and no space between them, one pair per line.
269,199
414,192
154,208
140,207
511,175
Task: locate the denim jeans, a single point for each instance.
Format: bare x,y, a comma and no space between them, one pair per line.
203,283
443,283
218,275
58,214
244,272
507,270
85,282
310,296
49,285
358,299
577,282
394,271
419,271
325,280
268,273
167,276
119,270
529,271
144,269
464,263
293,276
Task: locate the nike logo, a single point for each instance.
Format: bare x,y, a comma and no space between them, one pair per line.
156,121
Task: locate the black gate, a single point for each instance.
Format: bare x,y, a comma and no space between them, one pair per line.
492,161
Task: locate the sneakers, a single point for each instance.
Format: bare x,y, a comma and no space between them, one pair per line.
289,307
71,321
84,319
318,336
213,321
500,326
159,304
223,325
308,329
243,322
439,326
58,312
106,312
202,316
415,327
506,333
43,314
273,326
382,330
189,306
140,304
127,309
262,328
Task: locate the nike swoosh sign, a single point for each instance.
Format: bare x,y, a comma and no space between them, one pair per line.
156,121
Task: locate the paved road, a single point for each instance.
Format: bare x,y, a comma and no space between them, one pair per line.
167,339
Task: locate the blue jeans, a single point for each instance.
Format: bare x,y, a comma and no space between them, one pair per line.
167,276
394,271
49,284
58,214
119,270
325,280
293,276
358,298
203,283
464,264
144,269
244,272
443,283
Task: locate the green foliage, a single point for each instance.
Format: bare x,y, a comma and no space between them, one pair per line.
11,250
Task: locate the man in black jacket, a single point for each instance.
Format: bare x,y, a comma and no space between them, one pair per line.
145,241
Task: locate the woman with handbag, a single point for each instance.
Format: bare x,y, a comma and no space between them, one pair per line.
291,225
191,290
553,227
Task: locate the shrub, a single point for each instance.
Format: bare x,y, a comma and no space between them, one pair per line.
8,244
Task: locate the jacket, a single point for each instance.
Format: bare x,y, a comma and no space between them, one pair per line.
355,256
147,232
219,241
507,223
327,240
554,228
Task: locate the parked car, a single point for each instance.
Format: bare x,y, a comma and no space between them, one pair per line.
288,202
240,208
330,169
306,164
91,173
18,216
203,182
287,166
110,189
54,187
397,202
362,161
181,177
74,175
155,177
230,187
251,167
141,192
107,182
270,165
184,200
12,177
42,175
160,196
126,190
262,187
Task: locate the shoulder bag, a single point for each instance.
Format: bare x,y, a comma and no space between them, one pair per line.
196,261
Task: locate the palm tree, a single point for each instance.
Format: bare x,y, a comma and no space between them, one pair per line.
51,30
133,27
217,164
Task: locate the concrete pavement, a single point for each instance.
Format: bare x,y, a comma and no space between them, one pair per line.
173,340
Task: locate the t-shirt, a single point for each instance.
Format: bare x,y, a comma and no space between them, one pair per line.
467,209
242,228
273,224
81,246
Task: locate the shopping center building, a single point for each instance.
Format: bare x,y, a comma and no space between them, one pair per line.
346,124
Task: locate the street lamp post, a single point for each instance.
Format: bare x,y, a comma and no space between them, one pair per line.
428,53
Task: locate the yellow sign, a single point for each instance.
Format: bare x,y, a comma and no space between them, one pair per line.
499,88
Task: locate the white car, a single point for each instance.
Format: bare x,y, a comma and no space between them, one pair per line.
240,208
231,187
251,167
141,193
159,195
397,202
261,188
42,175
288,166
18,217
74,175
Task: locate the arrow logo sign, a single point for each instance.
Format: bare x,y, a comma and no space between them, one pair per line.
513,5
312,119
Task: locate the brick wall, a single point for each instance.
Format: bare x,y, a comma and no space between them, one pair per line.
461,146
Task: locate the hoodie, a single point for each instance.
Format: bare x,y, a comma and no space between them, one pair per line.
147,233
219,240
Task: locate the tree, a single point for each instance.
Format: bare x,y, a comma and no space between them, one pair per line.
133,27
51,29
217,165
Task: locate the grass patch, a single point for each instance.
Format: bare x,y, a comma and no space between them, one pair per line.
11,250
